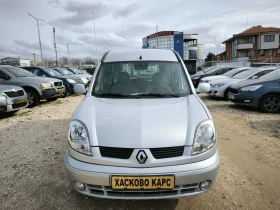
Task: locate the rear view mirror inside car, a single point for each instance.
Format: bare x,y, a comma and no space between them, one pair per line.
141,66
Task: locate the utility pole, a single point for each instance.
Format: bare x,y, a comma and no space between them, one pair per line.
95,38
34,58
68,55
39,36
54,43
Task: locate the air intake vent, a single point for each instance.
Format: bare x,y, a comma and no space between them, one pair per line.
12,94
167,152
115,152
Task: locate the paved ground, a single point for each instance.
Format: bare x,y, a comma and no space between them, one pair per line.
32,174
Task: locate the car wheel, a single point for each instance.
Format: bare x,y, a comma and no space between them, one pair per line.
270,103
52,99
226,94
33,99
66,93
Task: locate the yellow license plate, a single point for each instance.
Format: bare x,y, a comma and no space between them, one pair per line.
20,100
60,90
138,183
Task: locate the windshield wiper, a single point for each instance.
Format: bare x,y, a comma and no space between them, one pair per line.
160,95
116,95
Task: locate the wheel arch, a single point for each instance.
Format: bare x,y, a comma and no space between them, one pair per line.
32,88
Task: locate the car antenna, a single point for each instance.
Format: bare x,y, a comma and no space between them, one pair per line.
140,57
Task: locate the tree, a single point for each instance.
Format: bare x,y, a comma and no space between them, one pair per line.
89,60
63,61
210,57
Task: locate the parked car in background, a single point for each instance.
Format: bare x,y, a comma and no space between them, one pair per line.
230,73
262,93
141,139
80,73
220,88
215,71
68,80
65,71
12,99
37,88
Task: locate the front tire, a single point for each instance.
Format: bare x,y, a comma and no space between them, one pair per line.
270,103
66,93
33,99
226,94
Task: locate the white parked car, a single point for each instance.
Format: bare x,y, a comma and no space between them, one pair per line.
230,73
141,136
220,88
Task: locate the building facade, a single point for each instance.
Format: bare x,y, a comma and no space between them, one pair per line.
256,43
15,61
186,45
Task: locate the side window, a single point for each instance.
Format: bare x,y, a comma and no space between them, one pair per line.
218,72
2,75
261,73
225,70
37,72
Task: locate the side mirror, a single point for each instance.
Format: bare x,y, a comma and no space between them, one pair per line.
203,88
79,89
5,77
254,77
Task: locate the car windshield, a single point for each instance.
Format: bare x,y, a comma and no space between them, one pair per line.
213,70
232,72
52,72
141,79
65,71
76,71
17,72
244,74
209,69
274,75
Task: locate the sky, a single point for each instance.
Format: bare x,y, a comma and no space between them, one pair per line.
121,24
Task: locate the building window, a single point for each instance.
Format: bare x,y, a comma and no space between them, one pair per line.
270,52
235,42
253,40
269,38
235,53
254,53
244,41
243,54
262,52
278,51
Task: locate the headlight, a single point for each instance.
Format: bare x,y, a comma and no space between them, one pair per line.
46,85
3,97
78,138
197,77
204,137
84,80
71,80
218,85
251,88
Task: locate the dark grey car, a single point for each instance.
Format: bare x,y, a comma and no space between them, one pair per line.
37,88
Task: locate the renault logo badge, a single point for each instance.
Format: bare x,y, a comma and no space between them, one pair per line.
141,157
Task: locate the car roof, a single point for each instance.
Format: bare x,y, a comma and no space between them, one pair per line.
139,55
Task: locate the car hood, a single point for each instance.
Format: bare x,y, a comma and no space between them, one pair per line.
37,79
66,77
211,78
251,82
141,123
227,81
9,87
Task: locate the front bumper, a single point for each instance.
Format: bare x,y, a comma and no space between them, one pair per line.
13,106
52,92
244,100
216,92
97,178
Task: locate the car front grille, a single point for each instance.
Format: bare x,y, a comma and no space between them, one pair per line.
167,152
234,91
115,152
58,84
12,94
107,191
15,106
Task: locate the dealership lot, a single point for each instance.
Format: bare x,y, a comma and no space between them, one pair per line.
33,141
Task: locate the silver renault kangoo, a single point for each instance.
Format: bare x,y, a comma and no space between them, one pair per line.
141,132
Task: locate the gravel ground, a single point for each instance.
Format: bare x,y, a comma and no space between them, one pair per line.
32,144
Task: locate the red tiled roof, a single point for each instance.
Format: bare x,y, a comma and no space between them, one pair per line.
254,30
259,29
